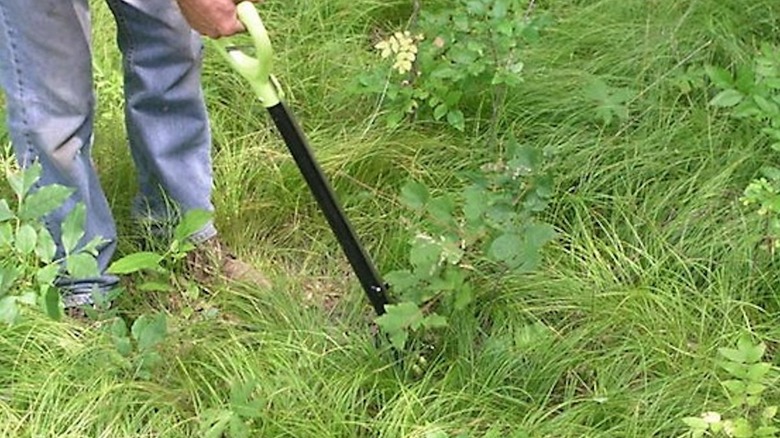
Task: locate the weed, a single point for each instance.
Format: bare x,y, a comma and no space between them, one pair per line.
452,57
490,225
749,414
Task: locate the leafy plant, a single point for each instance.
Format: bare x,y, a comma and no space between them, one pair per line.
158,271
491,223
235,420
453,55
139,345
611,102
749,414
29,263
753,93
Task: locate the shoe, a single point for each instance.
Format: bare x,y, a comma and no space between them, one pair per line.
212,260
86,308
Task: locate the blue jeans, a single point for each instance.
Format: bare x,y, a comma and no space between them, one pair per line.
46,73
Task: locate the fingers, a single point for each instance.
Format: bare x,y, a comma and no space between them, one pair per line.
213,18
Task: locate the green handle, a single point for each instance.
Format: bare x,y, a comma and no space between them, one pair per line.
255,69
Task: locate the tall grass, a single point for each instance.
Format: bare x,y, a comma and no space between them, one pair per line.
657,265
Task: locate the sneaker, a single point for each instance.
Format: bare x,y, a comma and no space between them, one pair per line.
212,260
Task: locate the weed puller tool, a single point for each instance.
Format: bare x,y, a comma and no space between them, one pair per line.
257,71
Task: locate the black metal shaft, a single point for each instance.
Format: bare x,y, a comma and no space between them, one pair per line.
318,183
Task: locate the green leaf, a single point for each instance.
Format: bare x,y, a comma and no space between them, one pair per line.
398,319
733,355
73,227
243,401
451,249
6,234
94,245
414,195
434,321
51,303
402,280
440,111
476,7
43,201
135,262
123,346
500,9
148,361
8,275
539,234
241,393
768,107
753,400
745,78
742,429
505,28
597,90
727,98
45,249
425,256
9,310
47,274
695,423
505,247
719,76
5,211
441,210
237,428
475,202
21,182
453,98
524,159
28,298
531,335
456,119
464,295
766,431
753,352
26,239
736,369
398,338
149,330
118,331
118,328
735,387
758,371
451,280
754,388
192,222
394,119
82,265
770,412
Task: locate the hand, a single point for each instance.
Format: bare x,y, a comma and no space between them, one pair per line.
213,18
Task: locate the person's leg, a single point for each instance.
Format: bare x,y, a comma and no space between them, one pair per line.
168,127
167,122
45,71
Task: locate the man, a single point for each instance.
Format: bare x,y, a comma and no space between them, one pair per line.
45,71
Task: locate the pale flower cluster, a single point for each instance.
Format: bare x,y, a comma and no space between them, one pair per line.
404,46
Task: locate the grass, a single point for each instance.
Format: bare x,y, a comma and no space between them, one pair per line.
615,335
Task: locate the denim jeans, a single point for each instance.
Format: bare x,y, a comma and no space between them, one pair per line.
46,73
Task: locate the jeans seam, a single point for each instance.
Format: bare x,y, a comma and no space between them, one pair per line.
122,21
19,82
